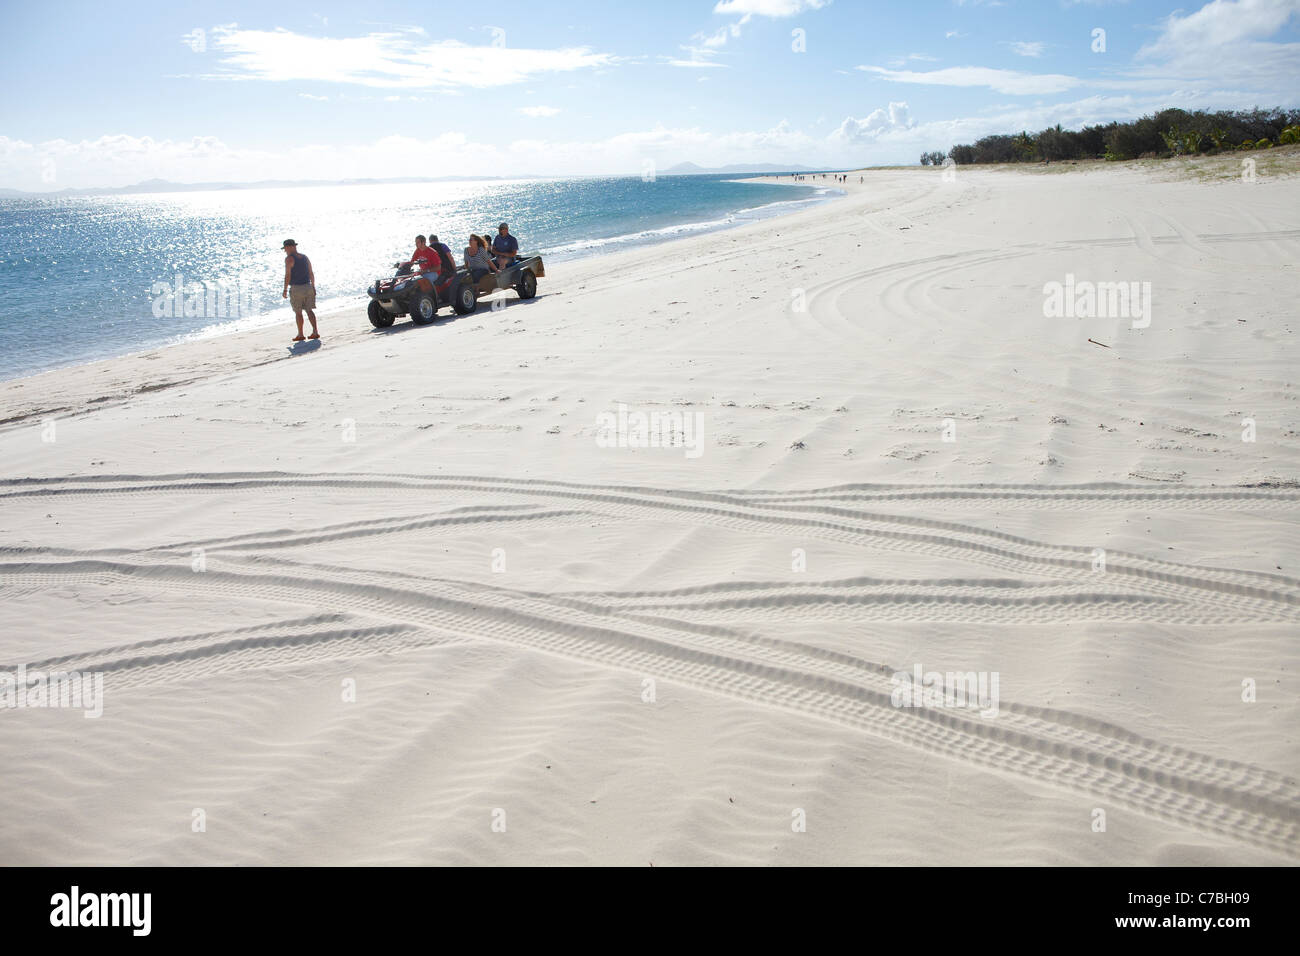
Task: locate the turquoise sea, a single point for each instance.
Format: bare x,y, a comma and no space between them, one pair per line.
83,278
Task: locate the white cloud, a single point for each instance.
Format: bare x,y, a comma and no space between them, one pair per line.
538,111
696,63
1003,81
910,57
706,47
719,37
1027,47
1221,22
402,58
1226,42
708,44
878,122
768,8
120,160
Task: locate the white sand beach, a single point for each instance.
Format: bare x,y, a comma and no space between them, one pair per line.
401,599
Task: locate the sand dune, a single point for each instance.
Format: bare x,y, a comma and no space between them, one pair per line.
669,655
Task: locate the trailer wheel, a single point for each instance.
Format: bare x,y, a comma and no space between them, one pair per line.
527,287
423,308
380,317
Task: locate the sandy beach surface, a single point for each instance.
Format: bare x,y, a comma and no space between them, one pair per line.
417,596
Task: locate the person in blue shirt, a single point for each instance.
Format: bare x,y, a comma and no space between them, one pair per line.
300,287
505,246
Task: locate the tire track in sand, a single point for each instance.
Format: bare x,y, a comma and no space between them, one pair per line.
1238,801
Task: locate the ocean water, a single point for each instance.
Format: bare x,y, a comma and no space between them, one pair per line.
83,278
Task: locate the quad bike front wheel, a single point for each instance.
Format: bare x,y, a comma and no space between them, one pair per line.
380,317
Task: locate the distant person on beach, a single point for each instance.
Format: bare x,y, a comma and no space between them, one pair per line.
477,260
505,246
300,287
424,255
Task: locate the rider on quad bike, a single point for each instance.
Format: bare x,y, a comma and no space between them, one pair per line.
422,284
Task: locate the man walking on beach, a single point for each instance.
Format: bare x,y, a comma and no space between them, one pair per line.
300,287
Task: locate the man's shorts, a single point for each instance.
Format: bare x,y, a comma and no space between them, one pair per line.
302,297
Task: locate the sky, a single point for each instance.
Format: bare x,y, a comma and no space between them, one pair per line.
110,94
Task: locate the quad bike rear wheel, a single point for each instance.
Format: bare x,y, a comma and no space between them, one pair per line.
423,308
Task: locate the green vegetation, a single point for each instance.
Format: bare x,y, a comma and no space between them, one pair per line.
1171,132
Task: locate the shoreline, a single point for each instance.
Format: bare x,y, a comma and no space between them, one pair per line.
339,304
342,309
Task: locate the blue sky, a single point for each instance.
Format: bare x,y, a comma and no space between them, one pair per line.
249,91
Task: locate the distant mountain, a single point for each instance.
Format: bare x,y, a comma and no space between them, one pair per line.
686,169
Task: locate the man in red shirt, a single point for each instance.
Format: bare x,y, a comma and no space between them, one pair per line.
424,255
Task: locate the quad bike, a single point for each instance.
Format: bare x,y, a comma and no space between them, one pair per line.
420,294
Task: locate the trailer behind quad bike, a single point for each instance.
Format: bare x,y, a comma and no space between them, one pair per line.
521,275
